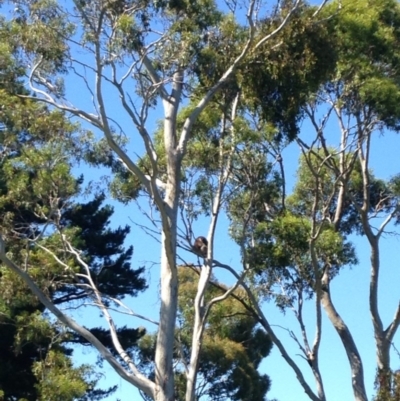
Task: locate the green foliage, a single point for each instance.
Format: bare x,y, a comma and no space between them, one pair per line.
31,351
278,247
26,327
387,386
38,205
367,75
351,55
285,73
35,360
58,380
103,248
45,37
318,186
232,346
221,46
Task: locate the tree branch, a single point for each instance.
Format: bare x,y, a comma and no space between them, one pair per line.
142,383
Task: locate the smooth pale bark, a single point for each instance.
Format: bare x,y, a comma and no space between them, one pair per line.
255,308
198,330
356,366
164,376
383,337
342,172
200,309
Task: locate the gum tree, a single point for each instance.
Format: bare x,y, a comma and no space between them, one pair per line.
145,55
299,249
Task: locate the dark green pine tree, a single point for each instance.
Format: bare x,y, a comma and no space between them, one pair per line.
104,252
27,337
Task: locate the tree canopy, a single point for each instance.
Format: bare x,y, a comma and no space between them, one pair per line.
190,108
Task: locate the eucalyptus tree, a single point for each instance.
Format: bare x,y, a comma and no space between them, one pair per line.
147,56
298,251
363,98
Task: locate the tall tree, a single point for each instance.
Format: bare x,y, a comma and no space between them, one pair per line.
308,242
122,48
248,84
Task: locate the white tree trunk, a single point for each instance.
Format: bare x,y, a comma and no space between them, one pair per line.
198,330
164,376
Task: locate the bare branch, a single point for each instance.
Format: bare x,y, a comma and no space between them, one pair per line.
280,27
264,322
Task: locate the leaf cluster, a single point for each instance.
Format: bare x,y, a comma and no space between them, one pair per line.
283,74
367,74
